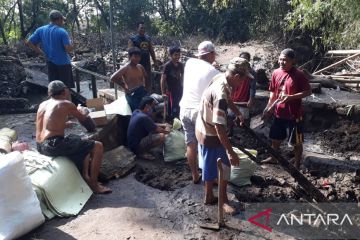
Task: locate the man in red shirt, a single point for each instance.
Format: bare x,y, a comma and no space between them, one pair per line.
243,95
287,87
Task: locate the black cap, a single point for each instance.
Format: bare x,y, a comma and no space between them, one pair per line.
55,14
288,52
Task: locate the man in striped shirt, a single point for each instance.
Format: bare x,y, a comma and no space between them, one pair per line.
211,128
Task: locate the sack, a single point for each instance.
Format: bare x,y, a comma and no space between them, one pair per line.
174,147
19,207
240,175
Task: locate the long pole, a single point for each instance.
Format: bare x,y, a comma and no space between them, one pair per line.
112,85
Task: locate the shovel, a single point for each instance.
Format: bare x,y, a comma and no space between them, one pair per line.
220,223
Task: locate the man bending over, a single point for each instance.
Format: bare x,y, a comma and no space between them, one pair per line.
143,133
51,121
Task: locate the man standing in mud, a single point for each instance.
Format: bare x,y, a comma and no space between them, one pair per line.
55,45
211,126
287,87
143,42
131,77
198,72
51,121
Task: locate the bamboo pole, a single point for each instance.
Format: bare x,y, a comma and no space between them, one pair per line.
337,63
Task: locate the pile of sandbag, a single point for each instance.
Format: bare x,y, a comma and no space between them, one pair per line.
19,207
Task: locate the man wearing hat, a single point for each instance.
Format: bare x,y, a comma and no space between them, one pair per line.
211,127
51,121
198,73
287,87
53,41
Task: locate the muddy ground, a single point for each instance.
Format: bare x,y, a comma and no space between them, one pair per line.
157,200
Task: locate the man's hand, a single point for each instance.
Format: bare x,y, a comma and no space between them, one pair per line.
239,120
250,103
233,158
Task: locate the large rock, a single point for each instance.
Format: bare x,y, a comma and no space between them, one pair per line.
12,75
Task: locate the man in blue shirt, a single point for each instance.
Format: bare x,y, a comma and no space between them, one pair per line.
53,41
143,133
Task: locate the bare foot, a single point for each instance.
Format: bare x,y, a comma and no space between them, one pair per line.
197,179
147,156
211,201
229,209
100,189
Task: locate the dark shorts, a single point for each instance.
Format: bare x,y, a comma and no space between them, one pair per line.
293,129
209,158
62,73
134,96
71,146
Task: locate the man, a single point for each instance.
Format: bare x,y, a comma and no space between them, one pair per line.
131,78
143,42
172,80
143,133
197,75
244,95
51,121
55,45
211,128
287,87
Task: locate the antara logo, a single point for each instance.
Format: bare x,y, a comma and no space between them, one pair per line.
314,219
265,213
301,219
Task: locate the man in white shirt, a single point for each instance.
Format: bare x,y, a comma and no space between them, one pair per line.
198,73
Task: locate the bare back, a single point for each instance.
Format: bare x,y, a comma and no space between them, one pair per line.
133,76
51,118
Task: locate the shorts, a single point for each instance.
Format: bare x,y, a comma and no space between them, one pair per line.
62,73
71,146
147,142
209,157
293,129
134,97
188,119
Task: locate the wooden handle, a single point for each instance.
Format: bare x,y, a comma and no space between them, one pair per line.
220,199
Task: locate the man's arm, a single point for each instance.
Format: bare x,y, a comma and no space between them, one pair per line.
221,133
163,84
130,43
235,110
286,98
85,120
118,78
69,48
152,53
145,78
36,47
252,91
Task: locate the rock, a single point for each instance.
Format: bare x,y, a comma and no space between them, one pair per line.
12,75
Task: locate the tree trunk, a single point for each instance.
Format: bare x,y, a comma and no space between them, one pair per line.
21,16
103,14
2,32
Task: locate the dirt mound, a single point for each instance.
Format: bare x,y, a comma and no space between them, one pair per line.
342,138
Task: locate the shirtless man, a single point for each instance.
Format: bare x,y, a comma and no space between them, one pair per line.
51,121
132,78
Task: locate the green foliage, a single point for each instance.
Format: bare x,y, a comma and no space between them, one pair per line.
332,23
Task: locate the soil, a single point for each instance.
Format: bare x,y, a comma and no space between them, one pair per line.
159,201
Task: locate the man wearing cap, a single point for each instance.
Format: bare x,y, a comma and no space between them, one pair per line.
51,121
198,73
53,41
287,87
211,126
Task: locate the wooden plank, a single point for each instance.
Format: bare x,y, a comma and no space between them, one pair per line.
298,176
337,63
342,52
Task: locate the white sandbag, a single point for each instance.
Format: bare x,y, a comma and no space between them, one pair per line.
240,175
19,207
174,147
